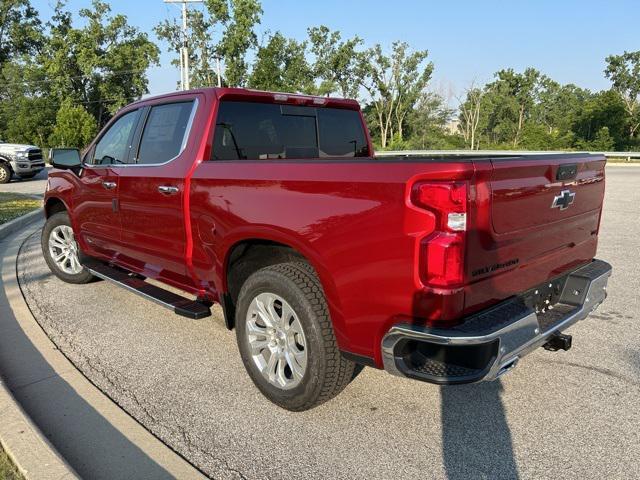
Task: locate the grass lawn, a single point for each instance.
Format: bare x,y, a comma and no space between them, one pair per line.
7,469
13,205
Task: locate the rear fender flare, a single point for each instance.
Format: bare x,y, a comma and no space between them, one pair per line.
297,243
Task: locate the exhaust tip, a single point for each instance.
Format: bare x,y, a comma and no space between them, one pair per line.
507,367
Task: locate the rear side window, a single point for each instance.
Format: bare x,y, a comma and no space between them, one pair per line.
165,132
260,131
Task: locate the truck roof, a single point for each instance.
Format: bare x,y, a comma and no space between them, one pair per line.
249,94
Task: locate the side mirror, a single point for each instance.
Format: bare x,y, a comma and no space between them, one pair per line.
65,158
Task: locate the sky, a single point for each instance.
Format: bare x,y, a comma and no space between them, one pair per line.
467,40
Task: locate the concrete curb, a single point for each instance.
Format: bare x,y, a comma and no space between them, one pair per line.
25,444
17,223
91,433
20,438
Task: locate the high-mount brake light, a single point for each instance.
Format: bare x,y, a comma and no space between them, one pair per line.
280,97
442,256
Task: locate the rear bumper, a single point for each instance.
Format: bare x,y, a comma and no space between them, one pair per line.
490,343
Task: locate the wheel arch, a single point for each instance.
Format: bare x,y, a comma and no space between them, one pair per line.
54,205
247,255
4,160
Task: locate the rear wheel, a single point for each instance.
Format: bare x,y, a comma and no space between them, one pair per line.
61,251
286,339
5,173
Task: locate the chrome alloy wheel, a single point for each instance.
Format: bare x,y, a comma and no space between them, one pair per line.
276,340
3,175
64,250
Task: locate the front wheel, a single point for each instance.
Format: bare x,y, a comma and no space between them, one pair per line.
286,339
5,173
61,251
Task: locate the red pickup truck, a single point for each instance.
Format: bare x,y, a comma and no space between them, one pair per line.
446,269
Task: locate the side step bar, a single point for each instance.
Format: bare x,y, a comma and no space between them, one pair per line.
180,305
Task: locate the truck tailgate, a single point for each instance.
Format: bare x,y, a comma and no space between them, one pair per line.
535,218
523,192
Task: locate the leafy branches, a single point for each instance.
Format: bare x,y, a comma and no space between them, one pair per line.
63,74
394,84
624,72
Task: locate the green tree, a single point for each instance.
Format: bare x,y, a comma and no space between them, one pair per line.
101,65
225,32
624,72
394,83
281,65
558,105
238,18
20,38
602,109
75,127
427,123
511,97
470,115
202,50
335,62
27,119
20,29
602,142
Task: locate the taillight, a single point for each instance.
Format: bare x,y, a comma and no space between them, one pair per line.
442,262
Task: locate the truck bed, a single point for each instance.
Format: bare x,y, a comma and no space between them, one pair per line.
352,219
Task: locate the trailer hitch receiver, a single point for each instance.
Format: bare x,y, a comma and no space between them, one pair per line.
558,341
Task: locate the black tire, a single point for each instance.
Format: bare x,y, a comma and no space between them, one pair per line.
327,371
5,172
55,220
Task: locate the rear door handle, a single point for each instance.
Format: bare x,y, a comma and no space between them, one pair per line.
109,185
167,189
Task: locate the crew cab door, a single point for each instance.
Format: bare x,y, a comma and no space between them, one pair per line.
95,205
151,192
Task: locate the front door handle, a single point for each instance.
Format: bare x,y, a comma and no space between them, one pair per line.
109,185
167,189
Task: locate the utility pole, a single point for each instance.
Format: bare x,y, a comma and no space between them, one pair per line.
184,50
218,71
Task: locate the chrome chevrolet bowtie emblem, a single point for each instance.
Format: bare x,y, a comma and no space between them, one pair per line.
563,200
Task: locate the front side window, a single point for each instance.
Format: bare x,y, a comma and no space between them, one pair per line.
261,131
164,132
113,147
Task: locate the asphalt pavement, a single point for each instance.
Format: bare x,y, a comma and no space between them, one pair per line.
33,186
557,415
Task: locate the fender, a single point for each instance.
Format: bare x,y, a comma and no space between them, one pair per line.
299,244
60,186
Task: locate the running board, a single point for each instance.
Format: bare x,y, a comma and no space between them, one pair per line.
180,305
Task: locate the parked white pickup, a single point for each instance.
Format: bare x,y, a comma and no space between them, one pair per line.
23,161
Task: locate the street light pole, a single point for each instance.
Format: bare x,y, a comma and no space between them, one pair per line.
184,49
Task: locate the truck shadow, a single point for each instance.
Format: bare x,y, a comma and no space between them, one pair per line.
476,439
89,442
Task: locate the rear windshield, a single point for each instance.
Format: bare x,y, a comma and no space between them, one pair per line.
262,131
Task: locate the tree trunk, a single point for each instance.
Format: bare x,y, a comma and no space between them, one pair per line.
383,131
520,122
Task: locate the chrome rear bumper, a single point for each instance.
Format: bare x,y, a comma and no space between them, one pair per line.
490,343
